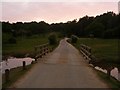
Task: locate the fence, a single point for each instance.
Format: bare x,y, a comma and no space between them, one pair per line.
86,51
41,50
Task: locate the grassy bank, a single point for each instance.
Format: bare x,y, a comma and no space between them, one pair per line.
24,45
104,49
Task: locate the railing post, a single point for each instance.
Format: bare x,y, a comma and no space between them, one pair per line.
24,65
7,75
35,58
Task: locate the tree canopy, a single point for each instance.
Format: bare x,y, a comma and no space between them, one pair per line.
106,25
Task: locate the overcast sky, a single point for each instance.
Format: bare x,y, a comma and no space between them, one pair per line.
53,12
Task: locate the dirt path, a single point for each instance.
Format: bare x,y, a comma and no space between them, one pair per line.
63,68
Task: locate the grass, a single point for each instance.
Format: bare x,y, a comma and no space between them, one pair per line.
15,74
24,45
104,49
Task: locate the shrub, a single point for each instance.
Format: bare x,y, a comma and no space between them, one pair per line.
52,39
74,39
12,40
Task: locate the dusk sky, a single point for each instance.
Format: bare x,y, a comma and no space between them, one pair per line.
53,12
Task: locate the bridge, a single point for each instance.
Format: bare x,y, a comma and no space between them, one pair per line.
63,68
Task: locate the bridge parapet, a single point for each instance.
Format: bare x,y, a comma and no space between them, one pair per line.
41,50
86,51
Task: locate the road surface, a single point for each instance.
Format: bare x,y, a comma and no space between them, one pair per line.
63,68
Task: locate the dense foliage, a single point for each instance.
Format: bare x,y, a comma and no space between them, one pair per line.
74,39
52,39
106,25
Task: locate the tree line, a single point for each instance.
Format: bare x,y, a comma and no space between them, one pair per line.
106,25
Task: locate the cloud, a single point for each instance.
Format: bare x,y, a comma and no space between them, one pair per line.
59,0
53,11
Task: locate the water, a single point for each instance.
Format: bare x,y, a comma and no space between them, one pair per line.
14,62
17,62
114,72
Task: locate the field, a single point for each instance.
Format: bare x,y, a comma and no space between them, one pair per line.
104,49
24,45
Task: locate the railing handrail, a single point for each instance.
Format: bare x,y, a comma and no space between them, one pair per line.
86,51
41,50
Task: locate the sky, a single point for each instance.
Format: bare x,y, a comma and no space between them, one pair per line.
54,11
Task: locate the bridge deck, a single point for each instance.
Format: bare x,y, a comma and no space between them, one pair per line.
63,68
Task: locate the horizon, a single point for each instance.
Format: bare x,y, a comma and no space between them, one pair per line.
57,22
54,12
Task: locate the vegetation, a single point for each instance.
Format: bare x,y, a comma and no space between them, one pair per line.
106,25
106,50
74,39
22,37
12,40
52,39
23,45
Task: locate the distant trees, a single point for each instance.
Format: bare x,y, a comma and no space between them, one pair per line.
106,25
27,28
95,28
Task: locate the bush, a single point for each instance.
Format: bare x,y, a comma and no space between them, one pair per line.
12,40
74,39
111,33
52,39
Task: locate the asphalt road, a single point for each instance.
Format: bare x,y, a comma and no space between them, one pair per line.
63,68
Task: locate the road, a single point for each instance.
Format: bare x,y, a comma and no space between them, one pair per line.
63,68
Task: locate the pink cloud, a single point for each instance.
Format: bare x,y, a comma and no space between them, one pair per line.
53,11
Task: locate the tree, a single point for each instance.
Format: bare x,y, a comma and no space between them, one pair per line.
52,39
95,28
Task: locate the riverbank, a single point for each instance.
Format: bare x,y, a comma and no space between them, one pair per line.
24,46
15,74
18,72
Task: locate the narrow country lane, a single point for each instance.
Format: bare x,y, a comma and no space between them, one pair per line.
63,68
